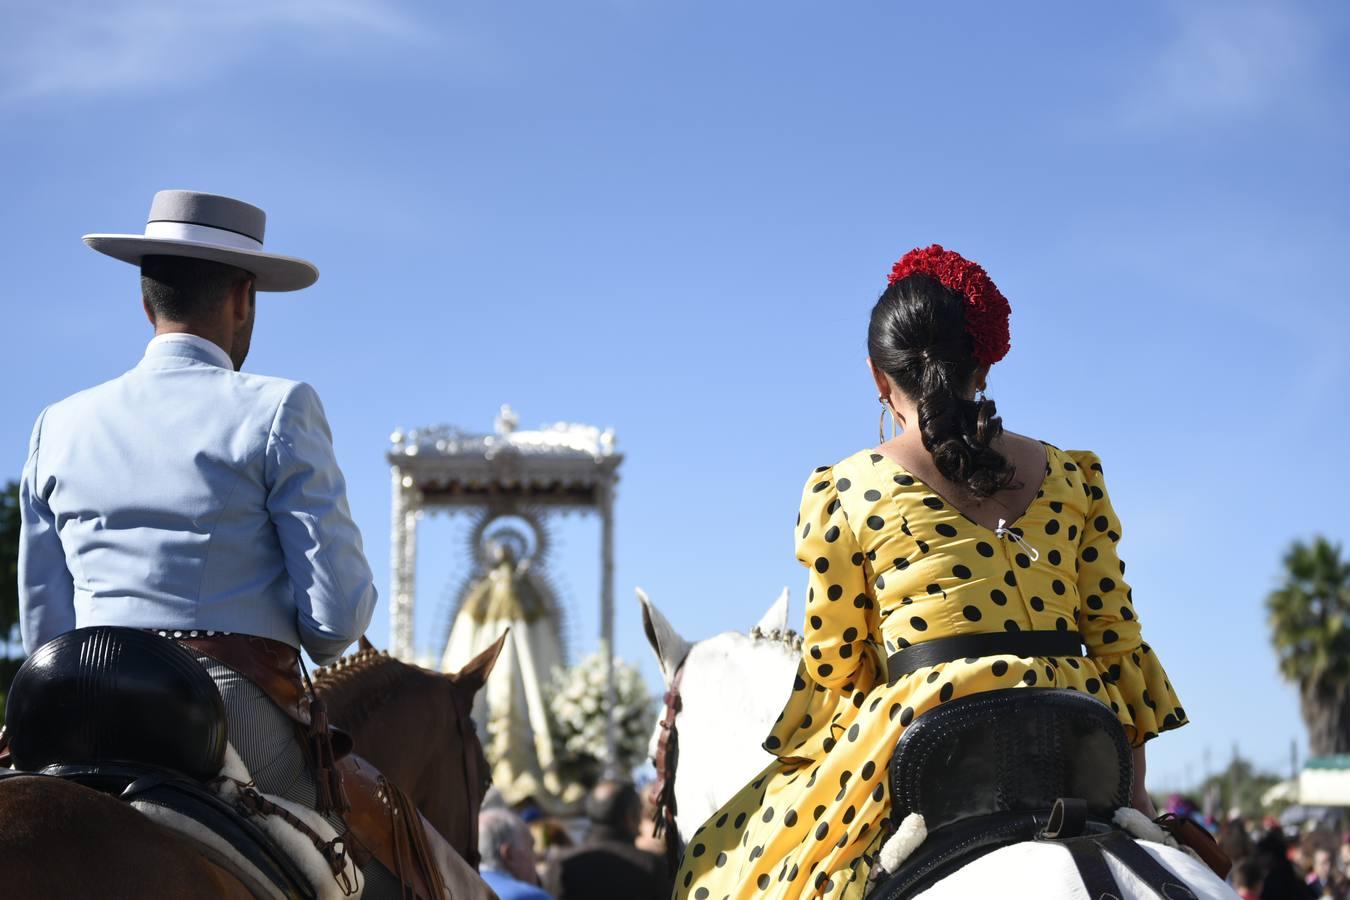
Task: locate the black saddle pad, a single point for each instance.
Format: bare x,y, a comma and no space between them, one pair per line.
1015,750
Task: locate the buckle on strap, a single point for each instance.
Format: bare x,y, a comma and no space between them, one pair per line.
1010,643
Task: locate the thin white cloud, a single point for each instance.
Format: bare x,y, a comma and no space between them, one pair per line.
51,48
1227,59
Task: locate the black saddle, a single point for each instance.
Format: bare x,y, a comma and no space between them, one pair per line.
1009,766
1014,750
134,715
109,696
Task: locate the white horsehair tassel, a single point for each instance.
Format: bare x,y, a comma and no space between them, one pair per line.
1004,531
901,845
1143,828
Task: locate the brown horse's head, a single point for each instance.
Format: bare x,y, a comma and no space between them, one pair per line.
416,727
465,686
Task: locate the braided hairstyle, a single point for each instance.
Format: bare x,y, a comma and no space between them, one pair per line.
918,337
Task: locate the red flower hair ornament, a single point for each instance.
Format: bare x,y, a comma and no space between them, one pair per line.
987,310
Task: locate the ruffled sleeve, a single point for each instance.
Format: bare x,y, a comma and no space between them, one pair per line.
842,636
1136,685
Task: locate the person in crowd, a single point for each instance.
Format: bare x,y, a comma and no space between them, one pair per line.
508,864
1233,838
551,838
608,862
1299,856
952,559
1248,878
1279,879
493,799
1325,879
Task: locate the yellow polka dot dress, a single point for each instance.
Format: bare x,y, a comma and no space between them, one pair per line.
892,564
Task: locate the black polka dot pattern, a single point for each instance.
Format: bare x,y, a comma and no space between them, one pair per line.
892,563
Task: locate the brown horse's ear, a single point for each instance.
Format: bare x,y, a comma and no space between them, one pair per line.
365,644
475,674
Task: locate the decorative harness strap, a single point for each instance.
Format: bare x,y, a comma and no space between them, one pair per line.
667,759
331,795
411,854
334,852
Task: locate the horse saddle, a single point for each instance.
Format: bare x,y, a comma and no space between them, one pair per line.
133,715
1015,765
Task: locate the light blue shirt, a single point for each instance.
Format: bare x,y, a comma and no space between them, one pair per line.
184,495
508,888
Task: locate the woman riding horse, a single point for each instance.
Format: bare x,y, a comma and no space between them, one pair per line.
950,560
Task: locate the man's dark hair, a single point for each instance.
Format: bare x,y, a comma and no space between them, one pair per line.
179,288
613,803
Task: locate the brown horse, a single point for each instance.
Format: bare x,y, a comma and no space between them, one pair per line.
382,702
60,840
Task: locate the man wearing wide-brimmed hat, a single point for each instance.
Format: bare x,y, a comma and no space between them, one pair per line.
192,499
186,495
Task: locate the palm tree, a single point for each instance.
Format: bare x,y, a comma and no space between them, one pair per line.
1310,628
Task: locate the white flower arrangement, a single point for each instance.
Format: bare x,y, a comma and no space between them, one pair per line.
577,706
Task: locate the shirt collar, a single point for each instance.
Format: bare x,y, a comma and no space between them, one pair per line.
191,346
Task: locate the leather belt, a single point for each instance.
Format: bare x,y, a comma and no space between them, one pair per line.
961,646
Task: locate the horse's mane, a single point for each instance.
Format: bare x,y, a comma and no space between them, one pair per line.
789,638
355,686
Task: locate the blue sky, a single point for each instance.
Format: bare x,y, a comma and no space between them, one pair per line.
672,218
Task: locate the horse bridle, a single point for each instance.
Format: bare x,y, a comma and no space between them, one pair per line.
465,726
666,760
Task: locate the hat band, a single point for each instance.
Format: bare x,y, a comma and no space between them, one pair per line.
201,234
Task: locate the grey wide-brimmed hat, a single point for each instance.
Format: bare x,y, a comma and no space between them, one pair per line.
209,226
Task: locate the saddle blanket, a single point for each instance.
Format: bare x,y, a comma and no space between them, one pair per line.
288,839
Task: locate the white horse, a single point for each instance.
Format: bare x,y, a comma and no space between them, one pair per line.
732,688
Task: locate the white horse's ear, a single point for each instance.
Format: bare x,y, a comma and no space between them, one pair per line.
776,619
670,648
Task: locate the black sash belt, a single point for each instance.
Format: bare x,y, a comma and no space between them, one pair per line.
1006,643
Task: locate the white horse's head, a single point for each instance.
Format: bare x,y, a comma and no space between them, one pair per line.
732,689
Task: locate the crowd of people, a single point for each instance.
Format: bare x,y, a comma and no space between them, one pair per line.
1273,863
530,856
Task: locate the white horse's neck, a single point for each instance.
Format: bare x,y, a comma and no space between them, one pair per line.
732,690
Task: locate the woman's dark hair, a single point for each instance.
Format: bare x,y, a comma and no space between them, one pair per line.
918,337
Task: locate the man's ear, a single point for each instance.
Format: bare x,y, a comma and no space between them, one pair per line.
149,312
241,298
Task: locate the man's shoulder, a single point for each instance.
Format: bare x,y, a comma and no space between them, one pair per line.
90,396
606,849
273,390
239,396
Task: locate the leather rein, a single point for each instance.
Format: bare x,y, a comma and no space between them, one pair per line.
667,759
472,775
